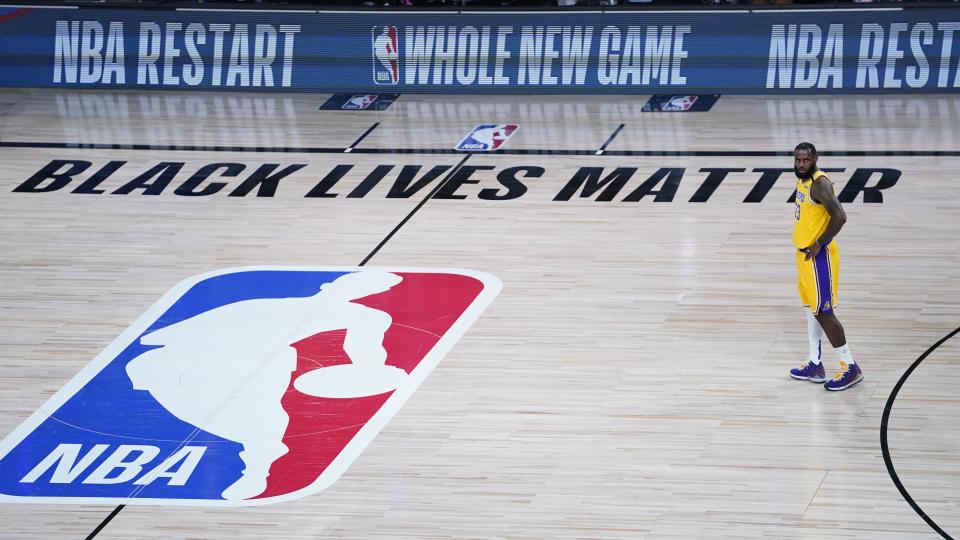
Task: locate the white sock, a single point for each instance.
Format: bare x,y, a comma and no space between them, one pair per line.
844,353
814,334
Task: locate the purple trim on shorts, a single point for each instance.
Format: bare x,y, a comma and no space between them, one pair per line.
821,272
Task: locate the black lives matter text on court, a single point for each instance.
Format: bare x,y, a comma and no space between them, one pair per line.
594,182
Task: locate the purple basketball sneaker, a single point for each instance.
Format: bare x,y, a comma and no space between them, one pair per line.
847,376
809,372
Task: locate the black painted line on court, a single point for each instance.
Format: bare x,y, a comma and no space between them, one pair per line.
362,137
415,208
673,153
609,139
105,521
884,422
180,148
502,151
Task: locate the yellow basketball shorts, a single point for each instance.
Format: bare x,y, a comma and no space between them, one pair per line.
817,279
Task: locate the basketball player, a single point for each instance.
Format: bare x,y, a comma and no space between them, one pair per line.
817,220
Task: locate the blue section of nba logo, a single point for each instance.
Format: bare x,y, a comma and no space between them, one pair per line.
470,142
106,438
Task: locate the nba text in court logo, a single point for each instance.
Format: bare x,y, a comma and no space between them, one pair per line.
241,387
487,137
386,55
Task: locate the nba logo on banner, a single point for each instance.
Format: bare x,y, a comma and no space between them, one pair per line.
386,55
486,137
680,103
360,102
241,387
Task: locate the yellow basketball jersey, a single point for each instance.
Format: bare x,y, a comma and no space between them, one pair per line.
810,218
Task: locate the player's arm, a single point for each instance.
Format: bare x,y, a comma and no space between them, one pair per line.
822,191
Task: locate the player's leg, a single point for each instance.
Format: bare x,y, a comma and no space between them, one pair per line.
849,373
812,368
255,417
832,328
826,269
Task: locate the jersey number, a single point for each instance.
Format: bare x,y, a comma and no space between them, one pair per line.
797,213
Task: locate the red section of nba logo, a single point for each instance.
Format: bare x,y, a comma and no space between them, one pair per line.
10,15
501,135
386,55
423,306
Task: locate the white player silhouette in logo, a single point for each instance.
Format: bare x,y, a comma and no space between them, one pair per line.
385,51
226,370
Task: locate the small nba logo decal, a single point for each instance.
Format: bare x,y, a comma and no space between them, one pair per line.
487,137
386,55
680,103
242,387
683,103
359,102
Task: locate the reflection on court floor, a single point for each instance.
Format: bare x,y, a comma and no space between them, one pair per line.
630,380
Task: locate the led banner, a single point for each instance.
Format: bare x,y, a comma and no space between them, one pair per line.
764,52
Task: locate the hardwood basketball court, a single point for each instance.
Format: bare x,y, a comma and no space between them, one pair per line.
630,381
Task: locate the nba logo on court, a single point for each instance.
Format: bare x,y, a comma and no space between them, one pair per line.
386,55
360,102
244,386
486,137
680,103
